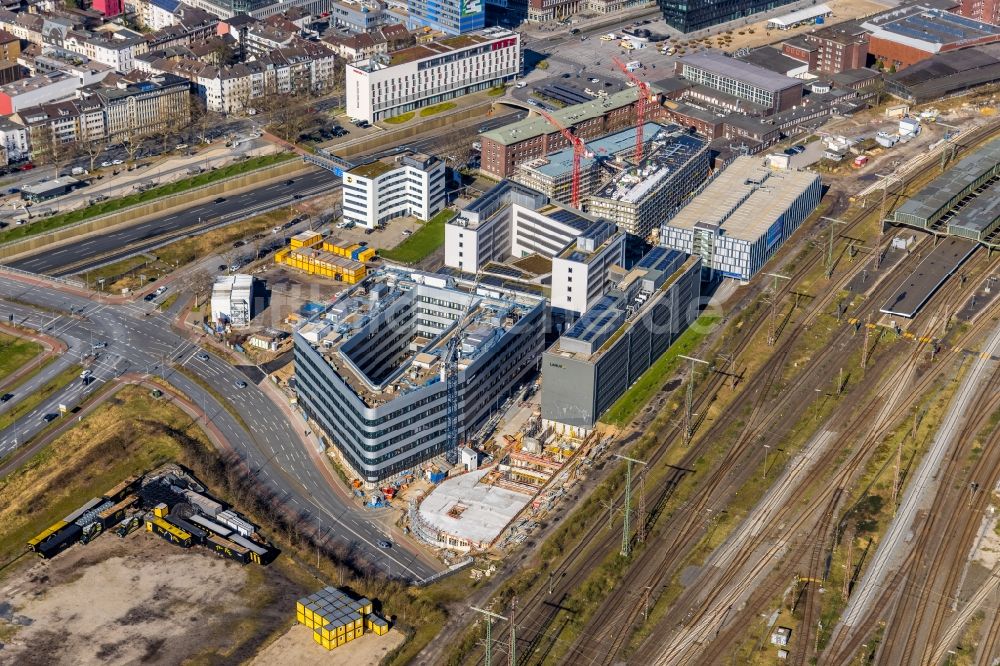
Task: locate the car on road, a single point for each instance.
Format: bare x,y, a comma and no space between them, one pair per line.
203,356
86,374
297,195
385,544
160,290
220,200
6,396
289,182
239,243
49,418
149,297
240,384
100,345
27,166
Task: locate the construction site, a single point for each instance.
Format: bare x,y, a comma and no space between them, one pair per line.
168,502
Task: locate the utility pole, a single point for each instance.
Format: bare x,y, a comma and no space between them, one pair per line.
640,533
610,506
626,544
829,250
774,305
689,399
490,616
763,472
848,566
864,350
886,180
512,653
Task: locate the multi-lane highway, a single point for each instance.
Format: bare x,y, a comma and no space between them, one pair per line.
142,341
99,249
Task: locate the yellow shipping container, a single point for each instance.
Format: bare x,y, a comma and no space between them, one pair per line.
341,640
350,636
367,255
317,638
300,618
306,239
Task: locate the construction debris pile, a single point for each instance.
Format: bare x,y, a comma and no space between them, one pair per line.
337,618
171,504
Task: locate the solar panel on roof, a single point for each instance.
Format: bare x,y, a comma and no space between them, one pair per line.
570,218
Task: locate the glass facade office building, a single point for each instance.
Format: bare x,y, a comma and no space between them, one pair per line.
692,15
451,16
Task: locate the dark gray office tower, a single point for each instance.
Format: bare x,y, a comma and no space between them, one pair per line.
691,15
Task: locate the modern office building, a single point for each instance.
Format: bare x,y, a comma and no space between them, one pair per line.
741,218
618,339
388,85
581,273
454,17
534,137
552,174
411,184
699,14
771,91
405,366
638,199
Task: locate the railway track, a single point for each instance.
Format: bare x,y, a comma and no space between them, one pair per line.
926,575
538,610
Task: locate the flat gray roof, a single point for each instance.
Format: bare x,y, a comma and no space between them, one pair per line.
745,199
928,204
980,214
737,69
918,287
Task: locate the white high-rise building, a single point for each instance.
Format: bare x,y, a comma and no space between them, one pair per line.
411,184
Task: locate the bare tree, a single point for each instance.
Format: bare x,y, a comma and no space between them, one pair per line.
132,141
93,149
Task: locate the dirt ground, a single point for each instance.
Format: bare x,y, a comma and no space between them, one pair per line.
140,600
843,10
296,646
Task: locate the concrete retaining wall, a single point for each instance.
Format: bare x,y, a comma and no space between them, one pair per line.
135,214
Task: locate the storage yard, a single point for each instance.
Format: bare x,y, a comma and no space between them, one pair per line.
171,504
139,599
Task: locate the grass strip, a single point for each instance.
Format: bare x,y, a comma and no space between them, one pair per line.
427,238
119,203
636,397
16,352
31,401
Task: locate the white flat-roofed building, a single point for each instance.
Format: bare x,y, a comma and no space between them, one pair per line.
392,84
740,219
411,184
580,273
232,300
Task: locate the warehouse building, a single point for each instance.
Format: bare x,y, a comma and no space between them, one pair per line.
233,300
932,206
375,369
912,33
640,197
772,92
410,184
618,339
946,74
741,218
388,85
535,137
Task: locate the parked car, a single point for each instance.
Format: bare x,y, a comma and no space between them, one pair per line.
797,149
203,356
384,544
240,384
407,232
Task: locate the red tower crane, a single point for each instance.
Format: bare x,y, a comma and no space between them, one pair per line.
579,150
640,108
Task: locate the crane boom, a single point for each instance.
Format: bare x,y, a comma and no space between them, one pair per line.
579,148
640,108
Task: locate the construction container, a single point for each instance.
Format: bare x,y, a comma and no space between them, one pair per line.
114,514
168,532
55,539
306,239
231,519
160,510
367,254
71,518
124,488
377,625
205,505
324,264
211,525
